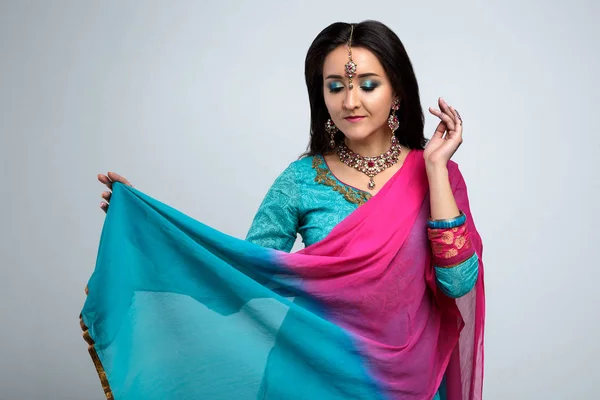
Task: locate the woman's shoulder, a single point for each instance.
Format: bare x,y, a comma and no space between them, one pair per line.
305,162
303,165
297,170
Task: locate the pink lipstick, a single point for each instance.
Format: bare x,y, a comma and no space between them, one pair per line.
353,119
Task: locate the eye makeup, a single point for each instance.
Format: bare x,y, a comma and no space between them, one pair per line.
369,85
335,87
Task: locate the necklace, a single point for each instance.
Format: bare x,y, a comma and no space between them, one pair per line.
370,166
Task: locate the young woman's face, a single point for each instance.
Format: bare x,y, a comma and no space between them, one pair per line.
371,97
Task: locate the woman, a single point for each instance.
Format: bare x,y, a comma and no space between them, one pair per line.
391,216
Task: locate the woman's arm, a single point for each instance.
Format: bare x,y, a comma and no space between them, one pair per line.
454,257
441,198
275,224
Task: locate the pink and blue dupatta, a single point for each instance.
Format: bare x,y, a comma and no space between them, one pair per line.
178,310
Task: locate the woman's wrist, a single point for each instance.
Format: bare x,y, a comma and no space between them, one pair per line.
436,170
447,223
441,197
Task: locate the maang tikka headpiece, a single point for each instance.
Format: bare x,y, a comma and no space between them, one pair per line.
350,66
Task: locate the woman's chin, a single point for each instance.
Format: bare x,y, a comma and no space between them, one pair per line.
357,135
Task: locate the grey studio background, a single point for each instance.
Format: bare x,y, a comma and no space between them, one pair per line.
202,104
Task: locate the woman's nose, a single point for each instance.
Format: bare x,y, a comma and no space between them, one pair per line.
351,101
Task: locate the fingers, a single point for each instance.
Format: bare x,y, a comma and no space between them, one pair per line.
104,204
451,111
112,177
457,118
439,130
118,178
448,121
105,180
443,125
451,117
108,180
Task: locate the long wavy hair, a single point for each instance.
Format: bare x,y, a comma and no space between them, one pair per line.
387,47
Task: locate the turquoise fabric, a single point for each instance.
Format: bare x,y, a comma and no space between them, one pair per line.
459,280
307,199
162,278
296,204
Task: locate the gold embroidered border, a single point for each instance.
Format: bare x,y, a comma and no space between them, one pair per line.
456,264
323,177
96,360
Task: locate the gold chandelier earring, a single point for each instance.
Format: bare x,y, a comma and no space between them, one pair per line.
331,129
393,122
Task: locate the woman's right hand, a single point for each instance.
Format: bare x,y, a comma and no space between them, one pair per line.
108,180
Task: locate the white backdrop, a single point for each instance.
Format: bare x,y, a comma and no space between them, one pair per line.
203,104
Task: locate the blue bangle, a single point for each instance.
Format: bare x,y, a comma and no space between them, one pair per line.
447,223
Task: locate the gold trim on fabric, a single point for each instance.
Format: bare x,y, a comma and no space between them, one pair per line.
95,359
456,264
323,177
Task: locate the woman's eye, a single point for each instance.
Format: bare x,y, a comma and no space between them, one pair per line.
335,88
369,86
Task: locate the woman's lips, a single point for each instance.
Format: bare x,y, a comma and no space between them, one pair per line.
353,119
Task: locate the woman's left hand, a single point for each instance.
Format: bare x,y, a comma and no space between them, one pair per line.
440,149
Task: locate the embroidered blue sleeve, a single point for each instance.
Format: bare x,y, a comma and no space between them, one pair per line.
458,280
275,224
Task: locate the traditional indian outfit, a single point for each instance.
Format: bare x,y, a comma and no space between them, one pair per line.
376,306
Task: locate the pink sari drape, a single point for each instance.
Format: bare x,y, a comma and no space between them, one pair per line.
375,277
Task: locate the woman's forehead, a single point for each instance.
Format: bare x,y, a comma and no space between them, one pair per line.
364,59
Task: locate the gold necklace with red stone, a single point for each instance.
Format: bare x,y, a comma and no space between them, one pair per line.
370,166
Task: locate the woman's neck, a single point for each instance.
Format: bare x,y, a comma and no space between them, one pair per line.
373,145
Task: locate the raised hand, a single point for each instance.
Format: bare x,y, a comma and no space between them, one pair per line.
108,180
441,148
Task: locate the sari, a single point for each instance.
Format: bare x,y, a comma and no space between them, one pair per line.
178,310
